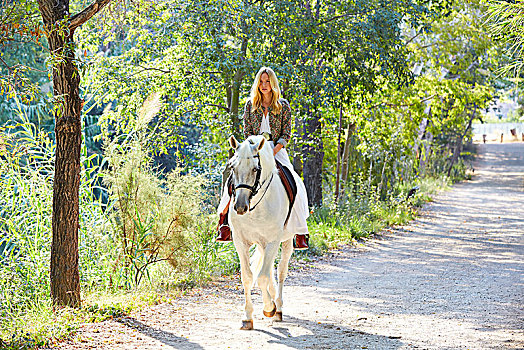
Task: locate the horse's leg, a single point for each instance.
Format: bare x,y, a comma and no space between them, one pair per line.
247,282
265,282
287,251
272,284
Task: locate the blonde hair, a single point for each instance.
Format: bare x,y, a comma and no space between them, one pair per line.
256,96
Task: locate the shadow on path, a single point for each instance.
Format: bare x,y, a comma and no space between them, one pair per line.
317,335
166,338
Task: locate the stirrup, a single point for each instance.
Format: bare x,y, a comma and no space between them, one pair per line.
224,234
301,242
223,229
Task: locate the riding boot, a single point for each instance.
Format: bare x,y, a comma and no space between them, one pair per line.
224,231
301,242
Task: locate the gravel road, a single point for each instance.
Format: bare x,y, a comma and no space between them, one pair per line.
452,279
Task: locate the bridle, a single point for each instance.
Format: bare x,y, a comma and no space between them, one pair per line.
256,186
253,189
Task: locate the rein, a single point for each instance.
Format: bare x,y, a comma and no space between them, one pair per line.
253,207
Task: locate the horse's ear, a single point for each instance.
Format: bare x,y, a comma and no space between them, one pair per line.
261,144
233,142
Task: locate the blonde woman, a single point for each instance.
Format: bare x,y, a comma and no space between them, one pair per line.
266,113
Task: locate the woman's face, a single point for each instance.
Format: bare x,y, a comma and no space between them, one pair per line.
265,85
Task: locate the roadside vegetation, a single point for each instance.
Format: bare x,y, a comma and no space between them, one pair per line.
383,105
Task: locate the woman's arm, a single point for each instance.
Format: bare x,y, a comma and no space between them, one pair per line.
286,125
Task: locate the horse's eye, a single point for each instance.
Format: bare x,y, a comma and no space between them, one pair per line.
255,170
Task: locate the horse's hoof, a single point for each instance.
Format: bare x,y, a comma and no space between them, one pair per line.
278,316
247,325
272,312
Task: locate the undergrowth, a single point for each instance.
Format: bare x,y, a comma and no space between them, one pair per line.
125,223
361,214
40,326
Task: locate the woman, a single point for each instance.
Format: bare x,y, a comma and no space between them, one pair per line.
268,114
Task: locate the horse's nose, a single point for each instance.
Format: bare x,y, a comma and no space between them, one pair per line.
240,209
241,202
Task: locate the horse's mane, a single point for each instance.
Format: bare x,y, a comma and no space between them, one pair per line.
267,160
245,151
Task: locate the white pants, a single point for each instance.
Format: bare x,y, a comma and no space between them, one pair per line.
299,213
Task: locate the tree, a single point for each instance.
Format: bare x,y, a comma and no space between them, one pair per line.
461,71
59,29
506,19
321,51
337,49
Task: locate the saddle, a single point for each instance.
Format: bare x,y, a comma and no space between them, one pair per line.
287,180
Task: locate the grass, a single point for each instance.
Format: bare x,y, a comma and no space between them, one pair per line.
37,325
359,218
40,326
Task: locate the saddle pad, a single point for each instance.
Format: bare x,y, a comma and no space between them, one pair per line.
289,184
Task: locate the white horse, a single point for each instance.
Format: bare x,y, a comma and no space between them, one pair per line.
260,207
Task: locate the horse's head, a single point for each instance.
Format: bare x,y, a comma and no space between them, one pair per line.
247,169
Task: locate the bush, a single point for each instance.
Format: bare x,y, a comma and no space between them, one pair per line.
151,217
26,180
360,213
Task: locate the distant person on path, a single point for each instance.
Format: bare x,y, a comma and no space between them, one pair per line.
266,113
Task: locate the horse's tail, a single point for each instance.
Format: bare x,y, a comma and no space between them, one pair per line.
256,262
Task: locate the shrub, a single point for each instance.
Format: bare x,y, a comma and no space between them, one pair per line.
151,216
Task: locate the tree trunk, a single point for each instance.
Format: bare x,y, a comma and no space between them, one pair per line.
426,149
458,145
370,175
65,281
337,183
421,132
345,156
313,158
234,109
233,99
64,275
382,175
298,143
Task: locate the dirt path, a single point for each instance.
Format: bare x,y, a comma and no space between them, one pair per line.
453,279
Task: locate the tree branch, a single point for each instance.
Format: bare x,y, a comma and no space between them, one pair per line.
437,43
413,38
80,18
345,15
154,68
335,18
11,70
218,106
420,32
404,105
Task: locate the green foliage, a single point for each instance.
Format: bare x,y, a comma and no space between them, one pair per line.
518,115
164,83
45,326
210,258
38,326
26,172
22,54
26,175
505,21
151,216
361,214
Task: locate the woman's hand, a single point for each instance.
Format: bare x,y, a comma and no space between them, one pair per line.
277,148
